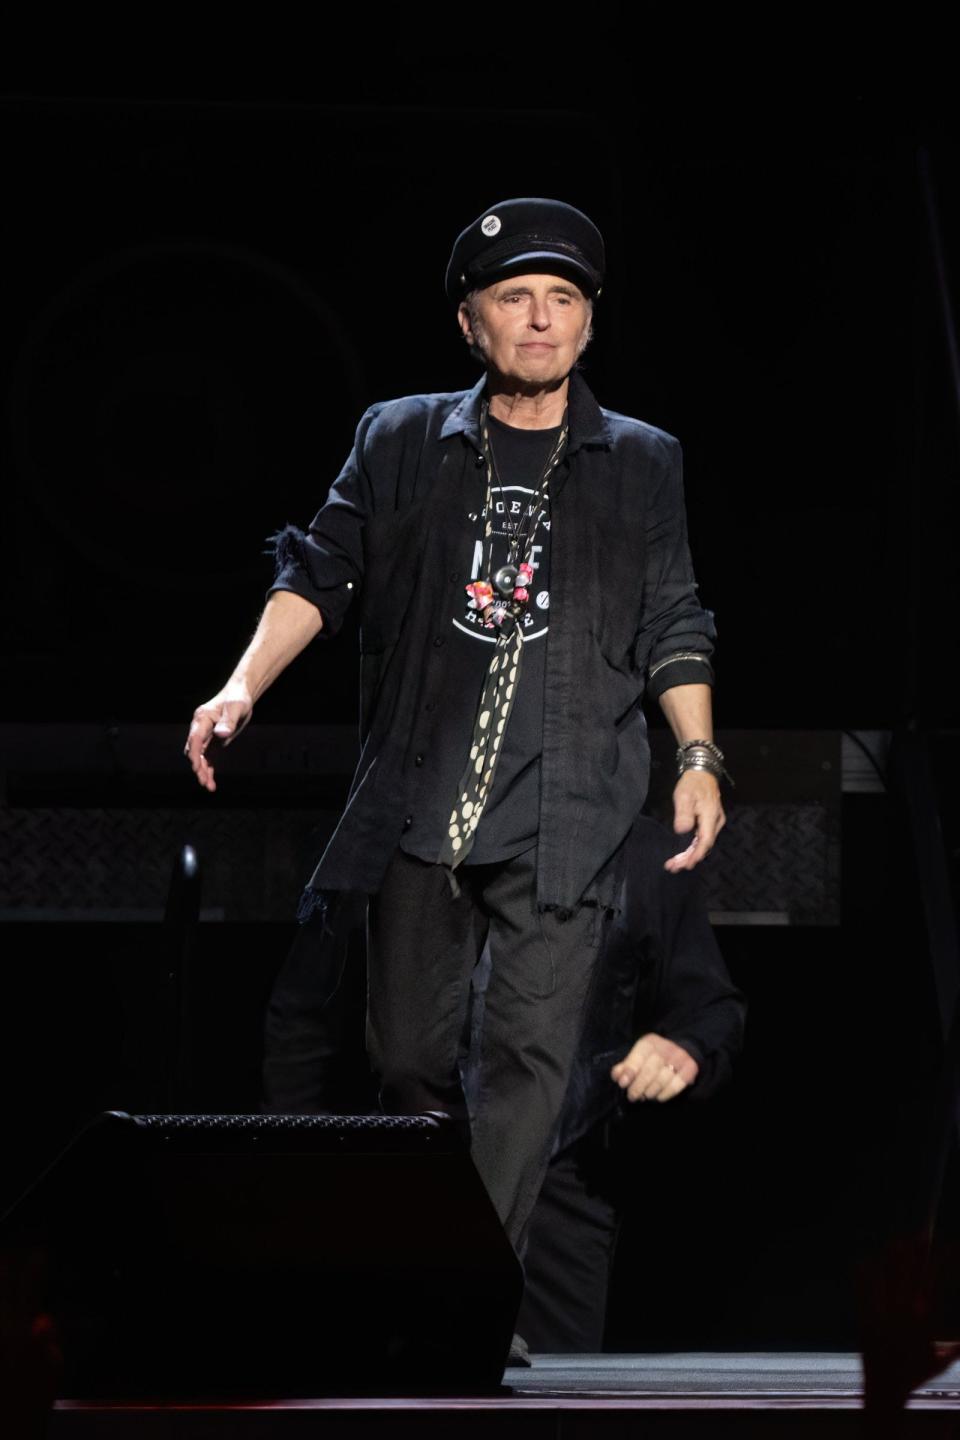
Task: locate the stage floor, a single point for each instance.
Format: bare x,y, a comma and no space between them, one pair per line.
800,1378
675,1394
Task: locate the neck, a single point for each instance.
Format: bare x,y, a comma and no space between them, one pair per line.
526,409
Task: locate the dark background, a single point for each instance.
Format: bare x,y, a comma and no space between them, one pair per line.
210,269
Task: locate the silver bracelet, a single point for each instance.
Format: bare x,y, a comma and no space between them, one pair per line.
702,755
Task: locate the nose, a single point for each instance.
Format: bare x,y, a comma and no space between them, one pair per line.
539,312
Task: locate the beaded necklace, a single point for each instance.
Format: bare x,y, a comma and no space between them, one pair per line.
501,599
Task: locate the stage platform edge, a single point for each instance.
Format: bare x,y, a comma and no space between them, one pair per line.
562,1397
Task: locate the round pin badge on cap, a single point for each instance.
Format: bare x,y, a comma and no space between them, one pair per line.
490,225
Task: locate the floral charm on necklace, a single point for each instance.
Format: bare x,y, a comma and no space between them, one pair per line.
481,594
481,598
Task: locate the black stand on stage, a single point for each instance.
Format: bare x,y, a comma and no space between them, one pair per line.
283,1254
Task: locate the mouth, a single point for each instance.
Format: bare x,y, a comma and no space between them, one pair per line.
537,347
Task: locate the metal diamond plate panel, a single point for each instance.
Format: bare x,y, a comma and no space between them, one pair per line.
103,864
780,863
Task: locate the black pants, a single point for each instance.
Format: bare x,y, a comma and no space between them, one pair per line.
314,1055
423,944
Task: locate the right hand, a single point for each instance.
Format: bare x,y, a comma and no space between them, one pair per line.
219,721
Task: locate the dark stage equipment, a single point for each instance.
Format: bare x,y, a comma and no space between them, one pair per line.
269,1254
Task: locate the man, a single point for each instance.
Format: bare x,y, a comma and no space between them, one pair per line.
499,773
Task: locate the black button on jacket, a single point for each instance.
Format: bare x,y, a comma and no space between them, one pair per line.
624,617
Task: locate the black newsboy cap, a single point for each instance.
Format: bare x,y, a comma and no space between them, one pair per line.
527,235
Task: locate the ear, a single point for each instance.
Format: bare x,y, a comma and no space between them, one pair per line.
463,316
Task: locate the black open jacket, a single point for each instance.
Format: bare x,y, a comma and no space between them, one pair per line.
624,618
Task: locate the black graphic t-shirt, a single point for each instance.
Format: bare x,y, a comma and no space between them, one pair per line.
511,816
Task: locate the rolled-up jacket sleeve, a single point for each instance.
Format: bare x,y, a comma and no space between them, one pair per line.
676,637
324,564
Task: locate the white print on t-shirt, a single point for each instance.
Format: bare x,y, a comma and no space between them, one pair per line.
508,503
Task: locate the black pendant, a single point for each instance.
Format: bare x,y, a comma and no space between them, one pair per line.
505,580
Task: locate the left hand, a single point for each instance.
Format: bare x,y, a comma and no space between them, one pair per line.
696,806
655,1069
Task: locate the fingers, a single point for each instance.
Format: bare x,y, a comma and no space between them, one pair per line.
648,1079
685,859
216,722
697,807
649,1076
630,1066
198,739
710,821
657,1080
655,1069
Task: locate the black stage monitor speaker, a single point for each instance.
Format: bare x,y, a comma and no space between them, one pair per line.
285,1254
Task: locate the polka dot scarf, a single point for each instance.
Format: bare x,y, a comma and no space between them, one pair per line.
503,672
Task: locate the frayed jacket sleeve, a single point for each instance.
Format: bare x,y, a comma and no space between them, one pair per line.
675,640
324,564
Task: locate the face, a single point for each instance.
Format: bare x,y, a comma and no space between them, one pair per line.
531,329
